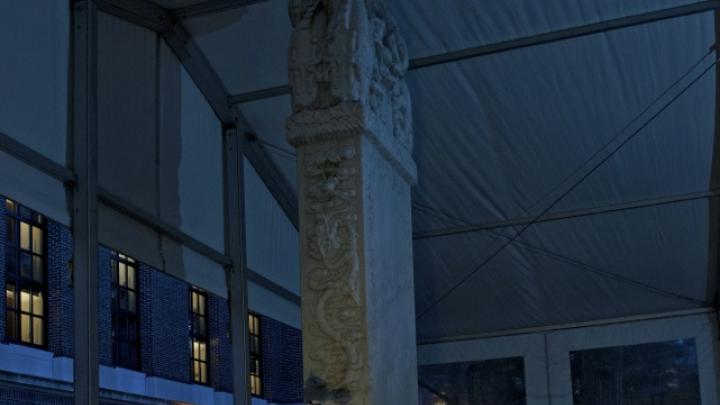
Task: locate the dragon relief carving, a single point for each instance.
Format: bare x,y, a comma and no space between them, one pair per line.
337,355
344,54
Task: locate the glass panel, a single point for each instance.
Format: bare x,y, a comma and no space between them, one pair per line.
193,299
10,206
25,300
203,354
10,297
131,301
123,299
498,381
11,231
37,240
24,213
26,266
24,236
196,370
11,324
201,304
11,262
122,274
131,277
200,326
653,373
37,264
195,349
203,372
37,331
25,328
37,304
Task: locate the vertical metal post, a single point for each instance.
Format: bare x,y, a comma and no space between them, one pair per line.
236,274
84,214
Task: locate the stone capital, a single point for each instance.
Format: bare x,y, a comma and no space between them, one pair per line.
347,67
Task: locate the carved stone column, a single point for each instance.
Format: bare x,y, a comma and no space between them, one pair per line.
352,127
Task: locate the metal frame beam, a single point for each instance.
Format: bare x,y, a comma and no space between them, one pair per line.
85,201
523,42
234,189
35,159
211,7
574,325
559,216
167,24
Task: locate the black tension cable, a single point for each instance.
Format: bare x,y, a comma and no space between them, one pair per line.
587,161
570,189
579,264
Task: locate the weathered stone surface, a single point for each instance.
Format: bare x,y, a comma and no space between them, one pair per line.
352,126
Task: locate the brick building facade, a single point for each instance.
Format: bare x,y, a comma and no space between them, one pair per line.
164,324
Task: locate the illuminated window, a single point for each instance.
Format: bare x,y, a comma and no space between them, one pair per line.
255,355
125,324
25,275
198,336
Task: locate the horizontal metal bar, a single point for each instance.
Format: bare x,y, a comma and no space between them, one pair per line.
140,12
210,7
259,94
559,216
118,204
567,326
565,34
524,42
273,287
35,159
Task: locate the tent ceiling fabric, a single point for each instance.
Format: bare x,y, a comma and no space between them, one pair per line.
495,137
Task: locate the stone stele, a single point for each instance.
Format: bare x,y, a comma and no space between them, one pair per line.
352,127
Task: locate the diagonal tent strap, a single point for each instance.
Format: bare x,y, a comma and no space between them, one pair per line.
587,174
638,204
578,264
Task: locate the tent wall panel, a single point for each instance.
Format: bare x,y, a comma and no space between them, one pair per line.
34,189
34,49
265,302
127,111
201,168
272,241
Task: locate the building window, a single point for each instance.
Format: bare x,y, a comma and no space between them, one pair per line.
125,324
199,336
255,355
25,275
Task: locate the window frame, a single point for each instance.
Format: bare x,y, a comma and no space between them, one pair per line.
18,214
199,336
255,356
118,314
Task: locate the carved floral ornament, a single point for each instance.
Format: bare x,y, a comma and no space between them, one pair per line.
336,356
347,66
